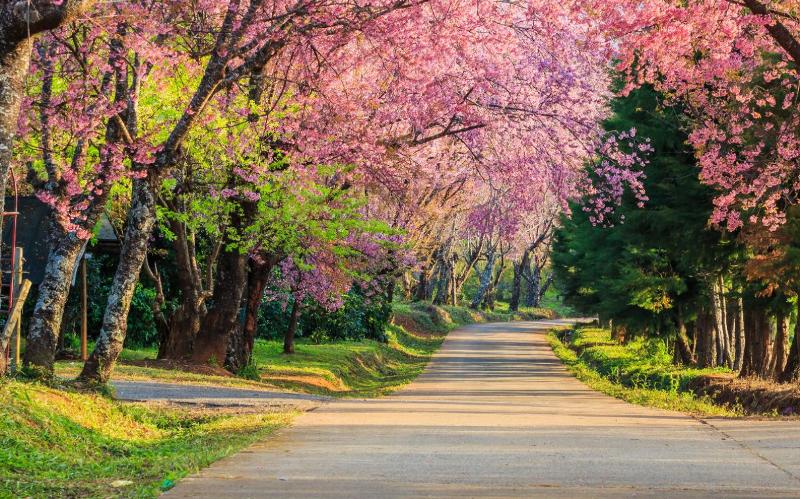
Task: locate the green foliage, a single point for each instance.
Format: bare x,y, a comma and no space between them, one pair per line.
100,272
361,368
360,317
368,367
654,264
141,324
56,443
640,372
364,367
250,371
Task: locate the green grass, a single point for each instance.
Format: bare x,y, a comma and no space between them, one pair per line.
348,369
69,444
585,336
68,370
552,301
56,443
640,372
140,353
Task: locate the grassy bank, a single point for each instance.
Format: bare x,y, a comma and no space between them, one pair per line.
639,372
364,368
56,443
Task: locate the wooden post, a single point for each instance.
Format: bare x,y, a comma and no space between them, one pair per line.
18,263
16,310
84,311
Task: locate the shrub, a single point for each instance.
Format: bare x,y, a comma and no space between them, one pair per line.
360,317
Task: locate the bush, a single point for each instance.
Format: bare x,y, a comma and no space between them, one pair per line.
360,317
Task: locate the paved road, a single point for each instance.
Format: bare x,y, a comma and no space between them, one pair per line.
205,395
496,415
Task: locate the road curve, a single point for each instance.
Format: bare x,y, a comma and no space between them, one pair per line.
497,415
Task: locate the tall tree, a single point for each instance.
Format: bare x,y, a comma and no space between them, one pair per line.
656,266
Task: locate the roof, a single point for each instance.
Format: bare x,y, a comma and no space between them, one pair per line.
32,235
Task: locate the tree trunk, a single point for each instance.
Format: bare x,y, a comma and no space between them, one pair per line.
421,291
242,341
757,331
211,343
534,286
443,280
738,362
14,62
619,332
792,369
722,346
141,220
19,21
682,342
516,283
485,279
184,323
543,289
224,312
780,347
704,334
516,287
45,323
288,339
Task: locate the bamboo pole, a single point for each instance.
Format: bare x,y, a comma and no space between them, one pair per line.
19,261
85,312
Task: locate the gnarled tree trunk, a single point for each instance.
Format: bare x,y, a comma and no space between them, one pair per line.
184,323
211,343
45,323
242,339
223,317
485,279
141,219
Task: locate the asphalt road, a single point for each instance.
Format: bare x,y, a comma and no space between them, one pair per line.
213,396
497,415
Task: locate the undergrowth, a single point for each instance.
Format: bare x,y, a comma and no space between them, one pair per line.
641,372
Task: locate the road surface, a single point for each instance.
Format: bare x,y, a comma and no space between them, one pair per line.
213,396
497,415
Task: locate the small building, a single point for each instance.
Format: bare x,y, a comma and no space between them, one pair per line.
32,235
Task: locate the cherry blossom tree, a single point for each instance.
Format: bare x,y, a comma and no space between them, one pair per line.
80,132
734,66
20,22
371,83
